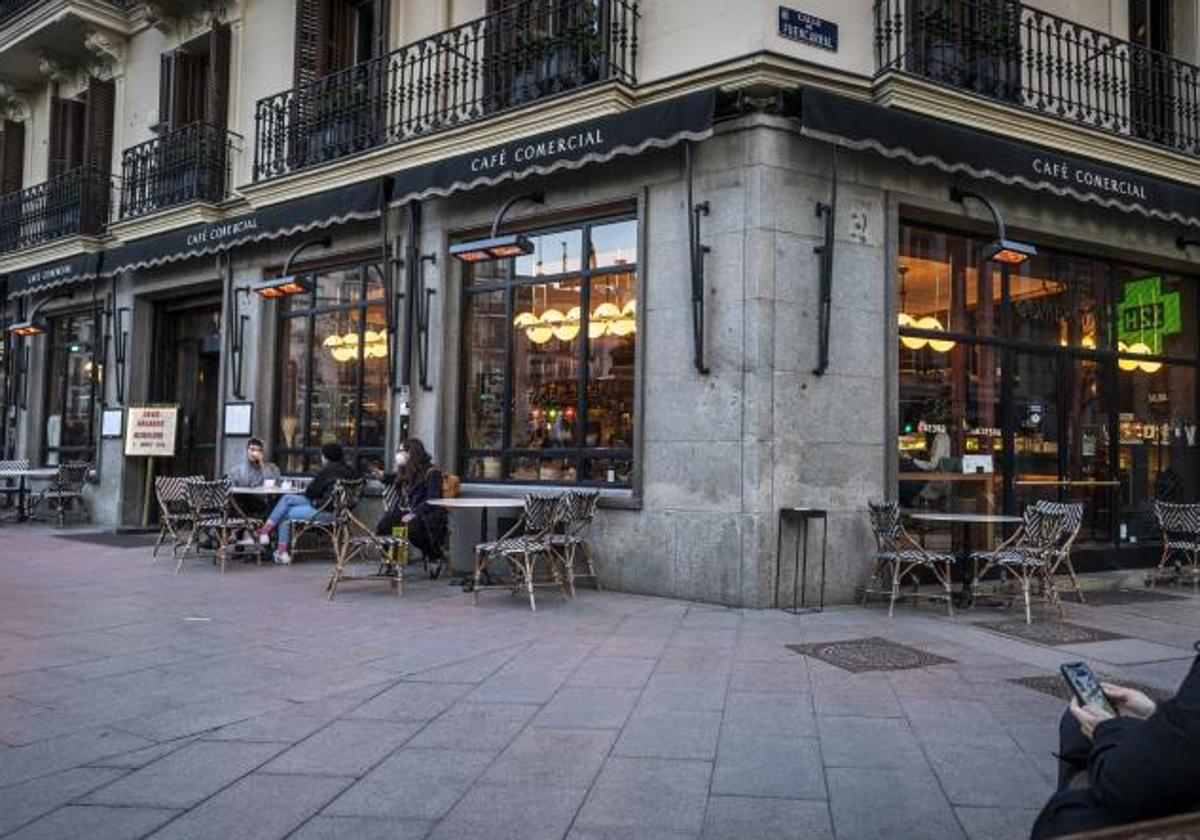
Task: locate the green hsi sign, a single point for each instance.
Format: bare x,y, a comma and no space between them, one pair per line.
1146,315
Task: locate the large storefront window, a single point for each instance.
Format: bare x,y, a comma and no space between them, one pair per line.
72,386
1072,378
333,385
549,345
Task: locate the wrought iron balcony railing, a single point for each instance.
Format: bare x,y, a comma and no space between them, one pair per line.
12,8
1004,50
75,203
190,164
526,51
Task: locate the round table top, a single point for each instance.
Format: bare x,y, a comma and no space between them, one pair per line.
974,518
480,502
267,491
40,472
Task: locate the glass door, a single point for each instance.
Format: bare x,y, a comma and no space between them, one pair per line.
188,365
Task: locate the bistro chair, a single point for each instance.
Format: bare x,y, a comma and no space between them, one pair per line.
355,541
1069,519
392,502
526,542
578,512
323,520
8,489
1180,526
174,513
898,556
1028,556
213,517
63,491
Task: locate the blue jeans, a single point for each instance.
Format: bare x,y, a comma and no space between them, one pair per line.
293,506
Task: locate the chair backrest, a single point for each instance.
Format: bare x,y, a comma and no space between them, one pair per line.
71,476
885,523
208,498
344,497
579,507
1178,519
542,512
171,490
1067,520
391,497
15,464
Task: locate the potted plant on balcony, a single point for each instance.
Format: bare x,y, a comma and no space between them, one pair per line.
565,56
997,59
939,40
341,121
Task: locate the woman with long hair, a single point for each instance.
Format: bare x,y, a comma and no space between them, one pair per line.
417,481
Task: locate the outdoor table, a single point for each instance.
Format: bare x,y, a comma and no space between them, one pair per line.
966,520
41,473
483,504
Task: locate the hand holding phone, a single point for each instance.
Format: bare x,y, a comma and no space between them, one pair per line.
1086,686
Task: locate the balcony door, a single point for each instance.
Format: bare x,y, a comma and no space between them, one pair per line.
968,44
1151,93
187,368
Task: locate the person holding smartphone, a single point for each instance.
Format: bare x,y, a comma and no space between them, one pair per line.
1137,760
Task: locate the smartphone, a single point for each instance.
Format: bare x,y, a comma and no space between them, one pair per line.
1086,687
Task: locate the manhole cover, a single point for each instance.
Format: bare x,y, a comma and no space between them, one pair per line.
872,654
1057,687
1051,632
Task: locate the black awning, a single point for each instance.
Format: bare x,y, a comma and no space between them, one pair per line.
926,141
61,273
659,125
320,210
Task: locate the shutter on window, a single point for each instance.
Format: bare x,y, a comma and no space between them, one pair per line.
190,89
382,21
66,136
13,161
166,92
98,124
216,107
311,56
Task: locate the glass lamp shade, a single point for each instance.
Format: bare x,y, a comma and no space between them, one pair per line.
622,326
525,320
1140,349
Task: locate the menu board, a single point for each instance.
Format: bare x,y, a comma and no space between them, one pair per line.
150,431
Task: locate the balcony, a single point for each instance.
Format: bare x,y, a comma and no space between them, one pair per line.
1011,53
74,204
12,8
190,164
525,52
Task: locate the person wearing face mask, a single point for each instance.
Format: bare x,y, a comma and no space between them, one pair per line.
417,482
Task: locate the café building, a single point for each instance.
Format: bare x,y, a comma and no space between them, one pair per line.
710,306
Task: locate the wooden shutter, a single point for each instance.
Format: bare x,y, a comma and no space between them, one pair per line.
13,159
311,56
216,106
99,104
66,135
166,92
382,23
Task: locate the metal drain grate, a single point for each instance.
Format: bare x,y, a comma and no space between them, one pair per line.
1051,633
871,654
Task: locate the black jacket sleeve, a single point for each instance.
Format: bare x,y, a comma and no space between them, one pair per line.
1141,769
432,487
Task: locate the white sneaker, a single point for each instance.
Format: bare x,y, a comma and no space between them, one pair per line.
283,558
264,539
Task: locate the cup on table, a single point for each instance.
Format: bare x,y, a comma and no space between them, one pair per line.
287,484
269,483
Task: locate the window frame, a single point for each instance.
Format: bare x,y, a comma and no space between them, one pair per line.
579,453
87,452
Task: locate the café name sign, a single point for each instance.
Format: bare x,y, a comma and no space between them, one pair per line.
532,152
220,231
1070,173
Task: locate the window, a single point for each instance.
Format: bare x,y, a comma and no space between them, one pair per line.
72,386
333,382
550,340
1085,390
333,35
194,82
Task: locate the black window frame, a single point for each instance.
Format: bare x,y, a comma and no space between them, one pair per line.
579,454
309,453
86,452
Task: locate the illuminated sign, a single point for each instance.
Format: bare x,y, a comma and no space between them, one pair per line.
1146,315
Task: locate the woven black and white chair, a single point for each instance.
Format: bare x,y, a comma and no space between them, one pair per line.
1027,557
898,557
526,543
64,491
355,542
1068,520
214,517
174,513
10,488
578,512
1180,526
322,521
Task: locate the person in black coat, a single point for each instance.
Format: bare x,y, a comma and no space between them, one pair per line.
306,506
417,482
1140,765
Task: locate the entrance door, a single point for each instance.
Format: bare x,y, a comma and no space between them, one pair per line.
187,367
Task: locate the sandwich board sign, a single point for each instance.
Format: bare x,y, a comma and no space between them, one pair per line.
150,431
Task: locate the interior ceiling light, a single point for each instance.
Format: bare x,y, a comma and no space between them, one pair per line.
1138,349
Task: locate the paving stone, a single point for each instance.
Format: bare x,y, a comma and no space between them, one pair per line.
676,735
746,818
201,717
412,784
258,807
771,677
597,708
511,813
648,793
20,763
344,748
285,726
360,828
613,672
27,801
635,833
784,715
1126,651
140,758
476,726
94,822
868,804
683,693
186,777
526,684
997,823
763,764
869,742
551,757
996,774
411,701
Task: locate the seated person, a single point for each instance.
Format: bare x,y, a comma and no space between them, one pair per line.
417,482
1140,765
296,506
255,469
